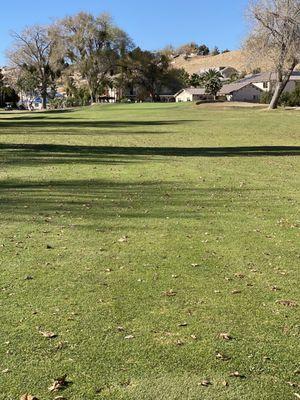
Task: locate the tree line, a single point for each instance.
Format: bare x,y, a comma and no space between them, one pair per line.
193,48
94,50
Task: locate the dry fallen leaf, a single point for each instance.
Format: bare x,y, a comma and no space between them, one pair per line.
206,383
287,303
225,336
236,374
297,371
222,357
294,384
275,288
120,329
123,239
58,384
129,337
48,334
225,383
239,275
183,324
170,293
61,345
28,397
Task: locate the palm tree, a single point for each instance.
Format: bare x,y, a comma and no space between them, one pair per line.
211,74
212,82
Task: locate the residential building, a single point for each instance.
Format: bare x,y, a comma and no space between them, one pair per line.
241,91
267,80
192,94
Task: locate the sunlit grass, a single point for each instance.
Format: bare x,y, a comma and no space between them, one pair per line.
137,234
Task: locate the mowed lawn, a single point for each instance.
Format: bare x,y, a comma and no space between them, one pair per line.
138,234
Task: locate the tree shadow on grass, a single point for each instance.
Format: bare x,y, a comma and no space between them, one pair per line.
100,202
41,121
35,154
48,154
46,112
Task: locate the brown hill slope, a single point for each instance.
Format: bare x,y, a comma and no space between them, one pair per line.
236,59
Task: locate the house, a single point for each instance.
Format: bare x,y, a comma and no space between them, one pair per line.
226,72
192,94
241,91
267,80
166,98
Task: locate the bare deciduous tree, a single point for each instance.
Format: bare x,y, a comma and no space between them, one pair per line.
276,37
36,50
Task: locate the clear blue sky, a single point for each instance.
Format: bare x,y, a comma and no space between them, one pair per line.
151,23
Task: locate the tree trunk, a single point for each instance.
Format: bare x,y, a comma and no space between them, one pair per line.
93,97
280,86
44,100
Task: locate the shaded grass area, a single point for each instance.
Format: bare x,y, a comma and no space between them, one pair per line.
206,204
50,151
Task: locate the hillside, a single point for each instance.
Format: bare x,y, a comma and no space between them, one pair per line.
235,59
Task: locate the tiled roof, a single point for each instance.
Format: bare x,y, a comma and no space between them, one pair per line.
193,91
233,87
268,77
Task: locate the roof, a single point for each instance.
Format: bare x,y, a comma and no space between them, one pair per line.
193,91
268,77
234,87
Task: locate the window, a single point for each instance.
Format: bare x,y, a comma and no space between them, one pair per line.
265,85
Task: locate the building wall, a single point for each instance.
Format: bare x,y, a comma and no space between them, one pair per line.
113,93
248,93
184,96
267,86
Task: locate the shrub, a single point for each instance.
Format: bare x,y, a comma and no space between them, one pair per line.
57,103
8,95
125,100
287,99
266,97
78,101
291,99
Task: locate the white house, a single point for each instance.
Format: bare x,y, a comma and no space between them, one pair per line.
241,91
191,94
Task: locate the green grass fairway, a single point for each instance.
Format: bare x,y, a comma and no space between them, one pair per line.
138,234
